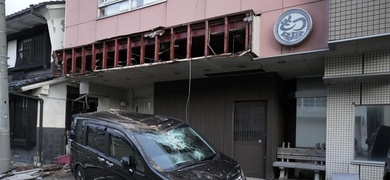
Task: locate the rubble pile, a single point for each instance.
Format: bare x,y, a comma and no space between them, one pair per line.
21,171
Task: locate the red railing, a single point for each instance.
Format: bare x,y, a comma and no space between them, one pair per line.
228,34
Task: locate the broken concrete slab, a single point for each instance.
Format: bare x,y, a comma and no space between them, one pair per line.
23,175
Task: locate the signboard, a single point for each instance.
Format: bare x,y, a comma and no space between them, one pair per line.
293,27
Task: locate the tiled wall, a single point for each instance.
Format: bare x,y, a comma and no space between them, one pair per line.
53,144
377,62
343,65
22,155
340,109
360,63
356,18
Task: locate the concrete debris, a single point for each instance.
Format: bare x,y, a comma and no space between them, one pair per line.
27,172
23,175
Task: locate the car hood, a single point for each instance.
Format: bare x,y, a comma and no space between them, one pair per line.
222,167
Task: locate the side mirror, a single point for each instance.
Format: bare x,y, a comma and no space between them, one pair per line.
129,162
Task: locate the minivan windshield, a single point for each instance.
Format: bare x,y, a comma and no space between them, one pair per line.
175,148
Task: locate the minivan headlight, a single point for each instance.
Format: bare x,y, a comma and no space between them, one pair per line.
242,176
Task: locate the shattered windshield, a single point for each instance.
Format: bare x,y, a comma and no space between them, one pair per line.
176,148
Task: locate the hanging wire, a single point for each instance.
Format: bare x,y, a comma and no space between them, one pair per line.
189,90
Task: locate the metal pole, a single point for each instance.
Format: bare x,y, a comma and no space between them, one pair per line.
5,148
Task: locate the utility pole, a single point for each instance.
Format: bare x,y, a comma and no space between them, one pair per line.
5,148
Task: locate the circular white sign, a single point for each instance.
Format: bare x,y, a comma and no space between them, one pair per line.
293,27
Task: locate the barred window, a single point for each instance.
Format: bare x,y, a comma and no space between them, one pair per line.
249,121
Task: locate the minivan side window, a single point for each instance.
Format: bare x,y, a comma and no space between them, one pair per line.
95,137
119,147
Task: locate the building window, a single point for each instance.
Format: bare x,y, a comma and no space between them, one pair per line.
112,7
249,121
143,105
33,49
311,121
24,50
372,132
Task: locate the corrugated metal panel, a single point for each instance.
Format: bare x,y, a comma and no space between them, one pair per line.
256,35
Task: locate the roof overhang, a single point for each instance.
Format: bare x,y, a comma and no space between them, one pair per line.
24,21
295,65
44,83
30,17
145,75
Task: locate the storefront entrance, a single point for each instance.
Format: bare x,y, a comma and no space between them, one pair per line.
249,137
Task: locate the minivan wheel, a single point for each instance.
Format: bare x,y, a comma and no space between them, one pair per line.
80,174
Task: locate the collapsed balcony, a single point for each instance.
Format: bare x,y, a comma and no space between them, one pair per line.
218,36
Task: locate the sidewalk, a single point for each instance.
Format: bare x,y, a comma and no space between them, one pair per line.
49,172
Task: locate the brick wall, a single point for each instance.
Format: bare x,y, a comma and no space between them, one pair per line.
357,18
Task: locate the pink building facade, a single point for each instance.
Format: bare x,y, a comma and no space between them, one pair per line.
215,60
84,26
147,50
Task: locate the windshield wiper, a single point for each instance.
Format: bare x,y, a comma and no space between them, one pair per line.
210,158
193,164
205,160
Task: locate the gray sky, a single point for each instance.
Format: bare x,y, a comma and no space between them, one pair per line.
12,6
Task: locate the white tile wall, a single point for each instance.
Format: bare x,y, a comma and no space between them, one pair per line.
343,65
354,169
371,173
377,62
340,109
349,19
376,93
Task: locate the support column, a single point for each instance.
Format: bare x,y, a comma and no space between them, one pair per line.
5,147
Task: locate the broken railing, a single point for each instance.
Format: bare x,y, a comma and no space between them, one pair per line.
216,36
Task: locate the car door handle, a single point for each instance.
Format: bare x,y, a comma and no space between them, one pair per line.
101,159
109,164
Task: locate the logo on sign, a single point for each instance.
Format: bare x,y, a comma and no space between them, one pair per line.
292,27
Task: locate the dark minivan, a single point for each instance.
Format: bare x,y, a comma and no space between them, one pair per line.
124,145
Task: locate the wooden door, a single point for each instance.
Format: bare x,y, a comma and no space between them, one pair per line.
249,137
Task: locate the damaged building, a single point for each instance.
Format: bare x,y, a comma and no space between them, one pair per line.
248,75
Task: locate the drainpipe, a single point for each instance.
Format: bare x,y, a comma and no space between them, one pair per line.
40,132
5,147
